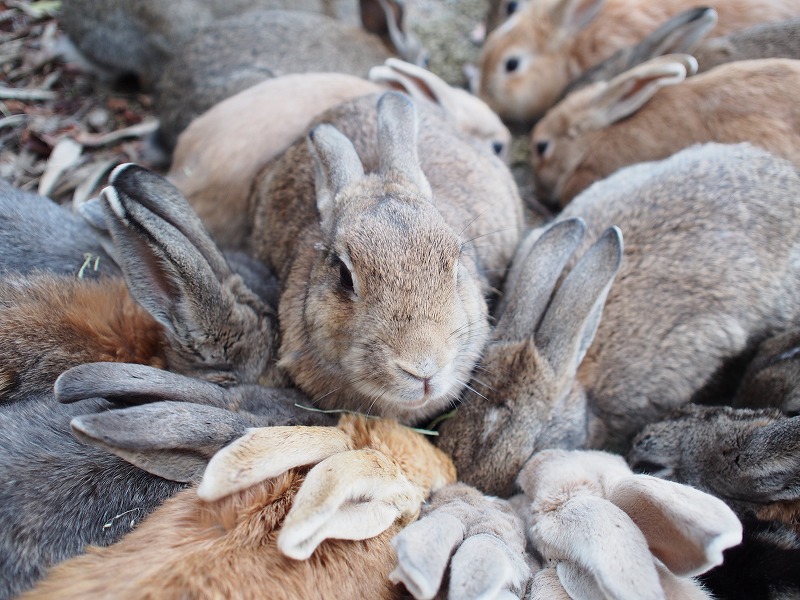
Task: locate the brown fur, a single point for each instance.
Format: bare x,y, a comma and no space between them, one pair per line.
49,323
742,101
772,378
556,56
228,548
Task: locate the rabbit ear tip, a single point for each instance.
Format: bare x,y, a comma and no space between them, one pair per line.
118,170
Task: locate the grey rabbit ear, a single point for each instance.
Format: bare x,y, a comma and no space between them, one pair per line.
537,266
338,165
768,464
679,34
168,439
133,384
570,323
397,140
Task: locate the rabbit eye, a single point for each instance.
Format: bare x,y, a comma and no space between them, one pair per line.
345,278
497,147
512,64
647,467
541,147
511,8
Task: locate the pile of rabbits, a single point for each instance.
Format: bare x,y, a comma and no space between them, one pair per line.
212,379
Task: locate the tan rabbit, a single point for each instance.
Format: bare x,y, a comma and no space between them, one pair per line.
706,275
220,153
526,63
387,242
653,110
258,505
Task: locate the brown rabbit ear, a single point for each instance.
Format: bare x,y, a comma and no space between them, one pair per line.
172,440
267,452
338,165
685,528
570,323
628,92
570,16
419,83
386,19
537,265
397,140
768,465
679,34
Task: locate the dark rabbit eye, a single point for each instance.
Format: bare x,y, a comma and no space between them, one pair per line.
497,147
647,467
511,8
512,64
345,278
541,147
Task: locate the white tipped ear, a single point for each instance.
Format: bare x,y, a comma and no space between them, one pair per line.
685,528
353,495
338,165
397,140
267,452
601,539
570,16
628,92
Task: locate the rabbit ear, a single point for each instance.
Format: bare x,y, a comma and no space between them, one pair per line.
680,33
628,92
570,323
267,452
352,495
583,529
168,439
134,384
685,528
484,567
768,464
546,585
419,83
386,19
537,265
397,140
338,165
570,16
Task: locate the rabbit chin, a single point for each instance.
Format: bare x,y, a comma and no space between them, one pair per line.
408,402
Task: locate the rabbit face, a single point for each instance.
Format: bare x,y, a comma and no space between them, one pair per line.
393,307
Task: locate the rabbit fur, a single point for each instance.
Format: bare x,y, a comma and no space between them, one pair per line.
560,376
772,378
653,110
219,154
229,545
384,274
179,306
526,63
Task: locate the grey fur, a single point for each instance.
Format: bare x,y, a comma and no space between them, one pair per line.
772,378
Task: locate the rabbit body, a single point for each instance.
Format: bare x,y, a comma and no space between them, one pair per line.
597,130
405,242
528,62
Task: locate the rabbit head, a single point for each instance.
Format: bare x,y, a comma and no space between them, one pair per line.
388,312
525,63
561,141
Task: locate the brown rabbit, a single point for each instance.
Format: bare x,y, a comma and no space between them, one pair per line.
387,243
526,63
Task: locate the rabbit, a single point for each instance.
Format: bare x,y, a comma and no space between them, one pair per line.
57,495
612,534
772,378
219,154
557,375
748,458
252,526
179,306
683,34
383,302
680,34
500,11
137,37
229,55
652,111
526,63
40,235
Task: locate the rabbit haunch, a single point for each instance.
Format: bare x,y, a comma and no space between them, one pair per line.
385,272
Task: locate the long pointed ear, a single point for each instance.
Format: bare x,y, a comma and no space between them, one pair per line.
571,320
169,439
570,16
267,452
685,528
768,465
352,495
537,265
581,531
628,92
338,165
134,384
679,34
419,83
397,140
386,19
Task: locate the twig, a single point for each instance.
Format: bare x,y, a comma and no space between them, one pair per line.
12,120
7,93
92,140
